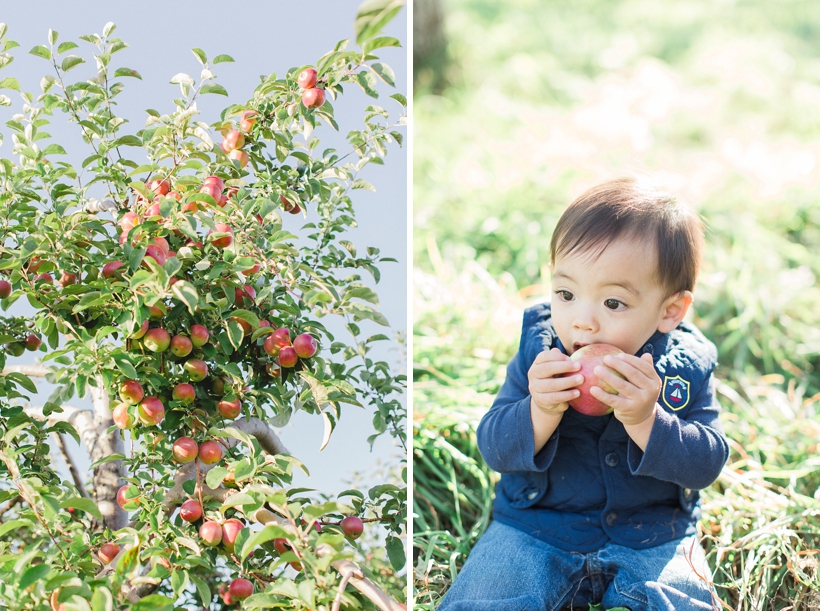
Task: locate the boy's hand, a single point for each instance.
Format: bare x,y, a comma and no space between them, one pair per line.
637,394
550,393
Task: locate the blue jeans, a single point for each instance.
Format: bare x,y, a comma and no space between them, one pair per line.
509,570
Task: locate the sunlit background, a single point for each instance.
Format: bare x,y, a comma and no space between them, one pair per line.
521,106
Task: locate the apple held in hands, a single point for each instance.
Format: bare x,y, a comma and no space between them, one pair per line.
590,357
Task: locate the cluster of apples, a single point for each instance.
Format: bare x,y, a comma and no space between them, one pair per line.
234,139
312,96
239,589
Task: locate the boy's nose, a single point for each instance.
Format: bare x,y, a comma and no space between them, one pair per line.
585,320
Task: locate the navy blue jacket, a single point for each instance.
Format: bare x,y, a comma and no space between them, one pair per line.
590,483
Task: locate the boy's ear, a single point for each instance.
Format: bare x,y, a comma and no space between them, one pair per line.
673,310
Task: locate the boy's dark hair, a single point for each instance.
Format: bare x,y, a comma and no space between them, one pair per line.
630,209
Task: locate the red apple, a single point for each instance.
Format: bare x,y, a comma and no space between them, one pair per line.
108,552
181,345
305,345
234,139
131,392
184,392
352,527
128,497
152,210
289,207
591,356
157,311
190,207
160,187
128,221
240,589
109,270
244,295
229,409
225,595
67,279
121,417
32,342
213,190
240,156
163,244
224,241
288,357
151,411
273,370
199,335
276,341
307,78
156,253
230,530
211,533
143,330
185,450
5,289
248,120
215,180
210,452
157,340
197,369
190,511
44,277
313,98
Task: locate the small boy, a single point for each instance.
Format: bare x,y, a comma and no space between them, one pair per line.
604,509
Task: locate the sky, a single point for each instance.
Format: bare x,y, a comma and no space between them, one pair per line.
262,37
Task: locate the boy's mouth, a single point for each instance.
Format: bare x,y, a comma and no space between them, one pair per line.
578,346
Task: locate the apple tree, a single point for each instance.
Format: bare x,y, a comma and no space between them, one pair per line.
185,275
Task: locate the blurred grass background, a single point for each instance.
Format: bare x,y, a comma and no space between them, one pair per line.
531,103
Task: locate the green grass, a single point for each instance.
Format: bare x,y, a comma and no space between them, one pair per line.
720,102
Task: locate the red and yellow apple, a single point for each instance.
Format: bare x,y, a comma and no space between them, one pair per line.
590,357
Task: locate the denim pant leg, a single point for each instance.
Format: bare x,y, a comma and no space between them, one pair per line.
509,570
668,577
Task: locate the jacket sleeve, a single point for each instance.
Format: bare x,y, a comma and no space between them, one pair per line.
689,451
504,435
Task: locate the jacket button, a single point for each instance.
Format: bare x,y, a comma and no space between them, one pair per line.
612,459
648,349
686,492
610,518
532,494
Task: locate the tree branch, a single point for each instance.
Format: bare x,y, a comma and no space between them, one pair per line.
59,438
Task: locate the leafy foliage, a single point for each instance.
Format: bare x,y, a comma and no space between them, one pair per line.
230,259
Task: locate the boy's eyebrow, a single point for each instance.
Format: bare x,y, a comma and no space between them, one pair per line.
624,284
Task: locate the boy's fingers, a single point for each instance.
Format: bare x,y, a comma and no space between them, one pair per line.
550,355
549,385
615,401
550,369
605,374
634,369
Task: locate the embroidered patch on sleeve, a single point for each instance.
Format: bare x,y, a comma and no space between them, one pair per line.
675,392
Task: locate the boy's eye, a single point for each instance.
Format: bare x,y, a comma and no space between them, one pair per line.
614,304
564,295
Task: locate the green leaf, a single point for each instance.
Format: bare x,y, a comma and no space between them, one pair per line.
32,574
86,505
10,83
23,380
71,61
215,476
102,600
13,525
247,316
124,365
203,590
154,602
270,532
105,459
222,58
200,55
109,28
52,36
54,149
127,141
385,72
187,294
235,333
395,552
400,99
127,72
66,46
379,42
373,16
41,51
213,88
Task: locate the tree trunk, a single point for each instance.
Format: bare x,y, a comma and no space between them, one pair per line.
429,45
107,476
